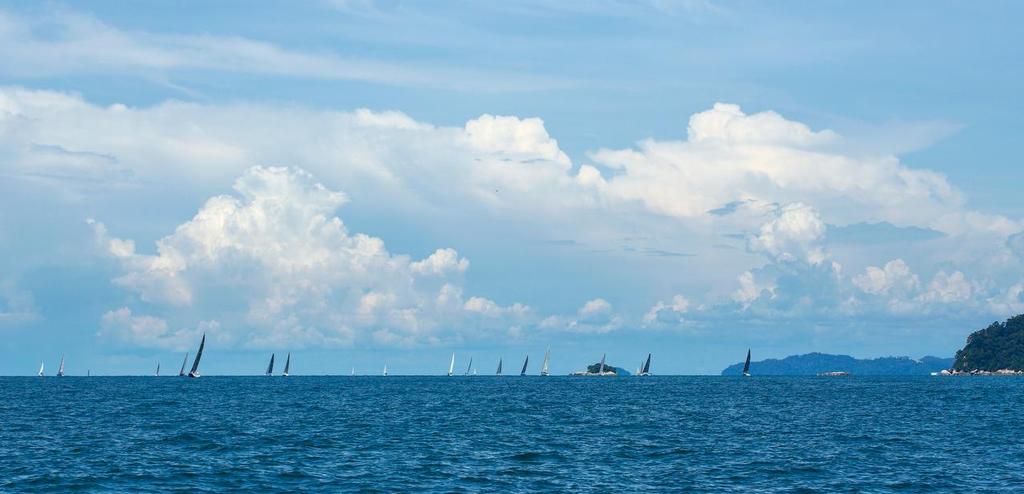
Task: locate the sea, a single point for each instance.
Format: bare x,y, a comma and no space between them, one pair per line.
512,434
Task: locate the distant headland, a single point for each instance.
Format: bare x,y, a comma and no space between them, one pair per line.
812,364
997,349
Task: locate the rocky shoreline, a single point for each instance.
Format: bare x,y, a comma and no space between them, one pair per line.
978,372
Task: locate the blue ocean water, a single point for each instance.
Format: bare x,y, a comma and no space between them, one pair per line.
513,434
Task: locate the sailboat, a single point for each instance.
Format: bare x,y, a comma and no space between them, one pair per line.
451,366
41,369
157,369
287,364
746,365
646,369
270,367
547,359
470,368
499,368
525,363
600,370
353,371
181,373
385,369
60,370
199,355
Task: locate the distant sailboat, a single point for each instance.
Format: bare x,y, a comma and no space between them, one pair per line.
645,370
451,366
270,367
499,368
600,370
470,368
181,373
385,369
525,363
353,371
41,369
199,355
60,370
547,359
746,365
287,364
157,369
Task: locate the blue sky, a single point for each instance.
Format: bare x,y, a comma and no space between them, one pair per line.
367,181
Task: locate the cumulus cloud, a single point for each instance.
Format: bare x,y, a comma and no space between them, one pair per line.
668,313
767,185
153,332
594,316
796,234
276,252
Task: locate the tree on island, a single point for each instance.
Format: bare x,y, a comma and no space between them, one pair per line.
999,346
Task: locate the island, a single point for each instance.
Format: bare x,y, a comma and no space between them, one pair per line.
997,349
595,370
813,364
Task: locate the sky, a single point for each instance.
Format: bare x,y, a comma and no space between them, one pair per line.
368,182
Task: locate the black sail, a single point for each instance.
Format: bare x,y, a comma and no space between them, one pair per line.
499,368
647,365
199,355
525,362
746,365
270,368
181,373
288,363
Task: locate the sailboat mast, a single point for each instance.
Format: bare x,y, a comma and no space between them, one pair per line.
199,355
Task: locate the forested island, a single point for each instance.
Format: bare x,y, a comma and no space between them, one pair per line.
999,347
811,364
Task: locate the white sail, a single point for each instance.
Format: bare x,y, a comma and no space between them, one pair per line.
40,369
601,369
470,367
385,369
181,373
353,371
60,369
451,366
544,366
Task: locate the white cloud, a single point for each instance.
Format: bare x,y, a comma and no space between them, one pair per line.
774,182
796,234
67,42
522,139
595,316
895,276
148,331
277,254
671,312
441,262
